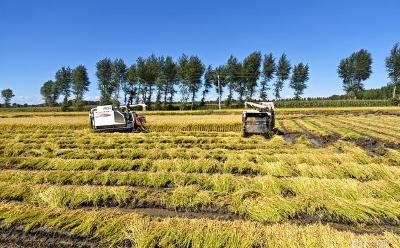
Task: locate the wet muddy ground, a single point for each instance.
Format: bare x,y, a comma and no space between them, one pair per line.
41,238
370,145
290,138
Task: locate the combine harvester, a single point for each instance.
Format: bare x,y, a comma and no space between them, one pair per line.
260,119
112,119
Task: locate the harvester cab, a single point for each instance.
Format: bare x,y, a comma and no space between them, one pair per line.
110,118
258,118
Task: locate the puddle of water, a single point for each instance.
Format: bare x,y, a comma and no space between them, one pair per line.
315,142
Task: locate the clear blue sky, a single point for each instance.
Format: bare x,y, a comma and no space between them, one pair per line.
38,37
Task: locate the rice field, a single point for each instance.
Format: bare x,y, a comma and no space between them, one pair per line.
330,177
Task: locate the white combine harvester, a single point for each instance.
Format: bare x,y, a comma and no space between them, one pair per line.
110,118
260,119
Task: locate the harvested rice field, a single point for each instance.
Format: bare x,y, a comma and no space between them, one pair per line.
327,178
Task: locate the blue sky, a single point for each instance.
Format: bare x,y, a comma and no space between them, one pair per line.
38,37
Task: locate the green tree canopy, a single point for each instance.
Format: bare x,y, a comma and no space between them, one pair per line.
132,83
251,70
221,73
354,70
219,78
80,82
393,64
160,81
362,61
191,71
104,75
148,72
50,92
233,77
141,74
64,80
208,82
300,76
346,71
7,95
170,71
282,74
118,79
268,71
153,65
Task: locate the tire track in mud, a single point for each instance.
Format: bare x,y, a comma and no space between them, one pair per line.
327,139
318,141
337,112
363,127
289,137
372,146
314,139
15,236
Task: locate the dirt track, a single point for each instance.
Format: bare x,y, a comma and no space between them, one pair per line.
38,238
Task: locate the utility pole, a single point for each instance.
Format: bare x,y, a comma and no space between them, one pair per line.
219,93
394,92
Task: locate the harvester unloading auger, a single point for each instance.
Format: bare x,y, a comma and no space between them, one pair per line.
110,118
260,119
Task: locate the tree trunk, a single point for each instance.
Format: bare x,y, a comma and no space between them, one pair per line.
158,98
193,96
263,93
230,94
117,94
251,93
165,93
150,95
171,97
138,95
277,90
241,93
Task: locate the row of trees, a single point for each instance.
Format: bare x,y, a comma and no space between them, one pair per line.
356,68
67,81
160,78
7,95
242,78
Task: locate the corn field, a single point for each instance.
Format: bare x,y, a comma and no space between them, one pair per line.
329,177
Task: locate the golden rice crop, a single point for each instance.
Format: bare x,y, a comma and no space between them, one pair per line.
115,227
56,173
